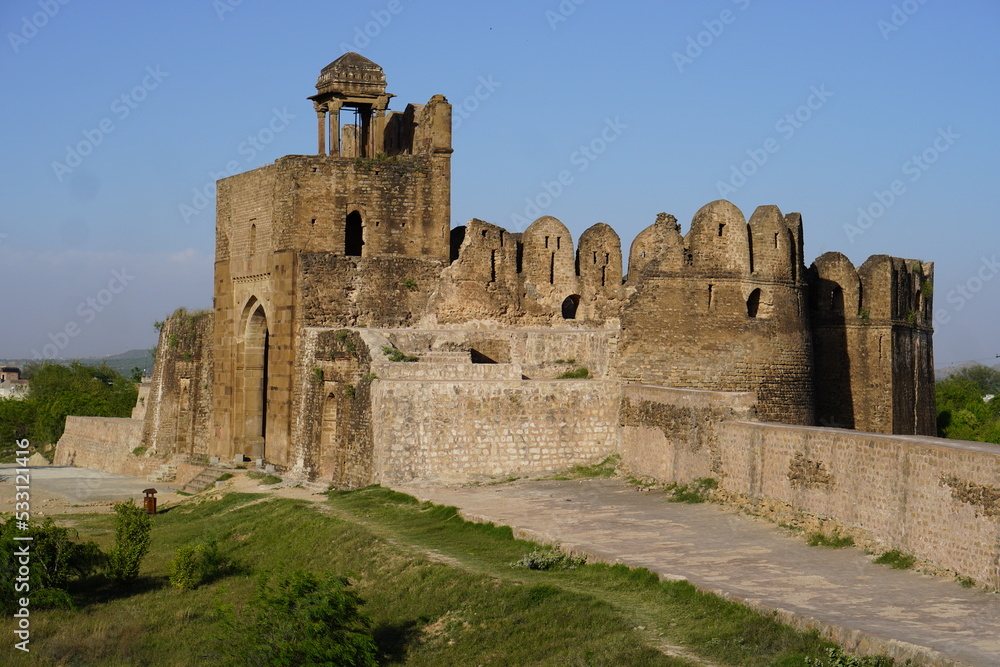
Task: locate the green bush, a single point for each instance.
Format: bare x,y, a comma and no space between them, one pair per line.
132,539
549,559
303,619
579,374
196,564
395,354
55,559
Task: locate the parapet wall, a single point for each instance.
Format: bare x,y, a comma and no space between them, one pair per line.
104,443
671,434
443,429
933,498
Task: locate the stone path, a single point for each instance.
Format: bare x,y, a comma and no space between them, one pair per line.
905,614
62,489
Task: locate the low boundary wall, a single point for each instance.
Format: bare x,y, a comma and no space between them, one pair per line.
933,498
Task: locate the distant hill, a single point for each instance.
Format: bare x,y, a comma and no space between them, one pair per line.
123,362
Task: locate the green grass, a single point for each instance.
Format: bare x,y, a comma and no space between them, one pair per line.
579,374
831,542
263,477
224,476
439,590
896,559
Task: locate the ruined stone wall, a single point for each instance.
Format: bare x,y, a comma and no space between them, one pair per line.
104,443
178,401
531,279
723,309
541,354
337,291
934,498
672,434
442,429
332,432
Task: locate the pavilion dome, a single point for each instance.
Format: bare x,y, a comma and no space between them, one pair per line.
352,74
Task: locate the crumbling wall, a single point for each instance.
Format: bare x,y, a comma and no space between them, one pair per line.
332,431
672,434
104,443
178,405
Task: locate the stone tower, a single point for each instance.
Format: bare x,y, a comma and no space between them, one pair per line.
722,308
377,193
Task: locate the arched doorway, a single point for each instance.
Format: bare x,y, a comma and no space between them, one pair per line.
569,306
255,381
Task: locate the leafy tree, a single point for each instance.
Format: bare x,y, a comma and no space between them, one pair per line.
963,414
132,538
302,620
136,374
57,391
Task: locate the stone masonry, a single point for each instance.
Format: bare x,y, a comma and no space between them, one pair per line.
357,338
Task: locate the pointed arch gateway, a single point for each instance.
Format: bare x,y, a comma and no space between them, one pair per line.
253,370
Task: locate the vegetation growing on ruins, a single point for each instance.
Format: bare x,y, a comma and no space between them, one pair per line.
55,392
581,373
606,468
896,559
697,491
395,354
438,590
829,541
963,413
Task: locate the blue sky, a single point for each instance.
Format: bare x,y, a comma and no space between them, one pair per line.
118,116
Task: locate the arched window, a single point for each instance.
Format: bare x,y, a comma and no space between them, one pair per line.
753,303
569,306
253,240
837,300
354,235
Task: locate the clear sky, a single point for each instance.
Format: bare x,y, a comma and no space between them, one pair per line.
877,120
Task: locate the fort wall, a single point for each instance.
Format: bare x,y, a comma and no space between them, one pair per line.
933,498
453,429
104,443
178,401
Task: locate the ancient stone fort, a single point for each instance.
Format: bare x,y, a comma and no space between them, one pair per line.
357,338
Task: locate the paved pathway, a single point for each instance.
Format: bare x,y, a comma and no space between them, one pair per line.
77,485
841,592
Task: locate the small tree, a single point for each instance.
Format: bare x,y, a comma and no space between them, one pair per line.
302,620
132,537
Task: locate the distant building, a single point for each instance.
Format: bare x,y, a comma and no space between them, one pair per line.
11,384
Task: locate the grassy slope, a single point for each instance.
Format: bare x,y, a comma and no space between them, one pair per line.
440,591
